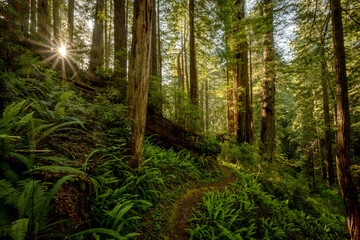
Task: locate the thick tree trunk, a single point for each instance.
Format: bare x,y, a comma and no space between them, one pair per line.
229,103
97,50
267,134
242,77
120,39
186,62
347,187
56,18
180,100
42,16
207,108
106,35
194,88
159,43
71,8
155,81
327,120
139,67
251,120
33,16
236,85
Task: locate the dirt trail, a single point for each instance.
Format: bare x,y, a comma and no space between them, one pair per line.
182,212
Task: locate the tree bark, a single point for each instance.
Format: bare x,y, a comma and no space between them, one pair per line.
347,187
155,81
56,18
242,102
33,16
71,8
194,88
97,51
42,15
327,120
139,67
180,99
159,42
106,35
120,39
186,62
229,103
267,134
251,110
207,109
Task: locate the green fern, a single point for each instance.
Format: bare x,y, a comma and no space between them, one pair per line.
60,169
19,229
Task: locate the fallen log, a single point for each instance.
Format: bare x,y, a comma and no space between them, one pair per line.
169,135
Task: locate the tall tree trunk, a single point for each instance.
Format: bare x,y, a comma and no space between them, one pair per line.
180,100
33,16
243,104
24,15
236,85
71,8
56,18
327,120
42,16
267,133
207,109
347,187
155,81
186,61
159,43
194,88
251,120
97,50
229,103
139,67
109,41
106,35
120,39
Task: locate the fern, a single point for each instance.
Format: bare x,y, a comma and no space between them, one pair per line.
19,229
57,127
60,169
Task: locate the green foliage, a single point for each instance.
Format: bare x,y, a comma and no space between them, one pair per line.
210,146
245,211
242,154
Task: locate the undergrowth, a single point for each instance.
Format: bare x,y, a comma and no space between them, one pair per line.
244,211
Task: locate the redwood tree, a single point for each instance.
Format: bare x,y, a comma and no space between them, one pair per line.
139,67
120,38
97,51
347,187
71,8
267,133
194,88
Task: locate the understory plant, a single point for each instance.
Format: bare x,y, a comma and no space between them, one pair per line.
244,211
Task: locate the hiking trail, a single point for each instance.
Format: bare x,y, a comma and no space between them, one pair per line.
182,211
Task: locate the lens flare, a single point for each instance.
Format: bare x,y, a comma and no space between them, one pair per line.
62,51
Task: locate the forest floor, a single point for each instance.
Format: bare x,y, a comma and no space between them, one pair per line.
182,210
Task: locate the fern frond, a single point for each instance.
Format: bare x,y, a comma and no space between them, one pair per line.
19,229
25,160
56,128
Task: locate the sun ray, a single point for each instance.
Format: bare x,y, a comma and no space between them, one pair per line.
48,59
71,66
55,63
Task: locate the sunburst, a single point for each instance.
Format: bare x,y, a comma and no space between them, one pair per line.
53,51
